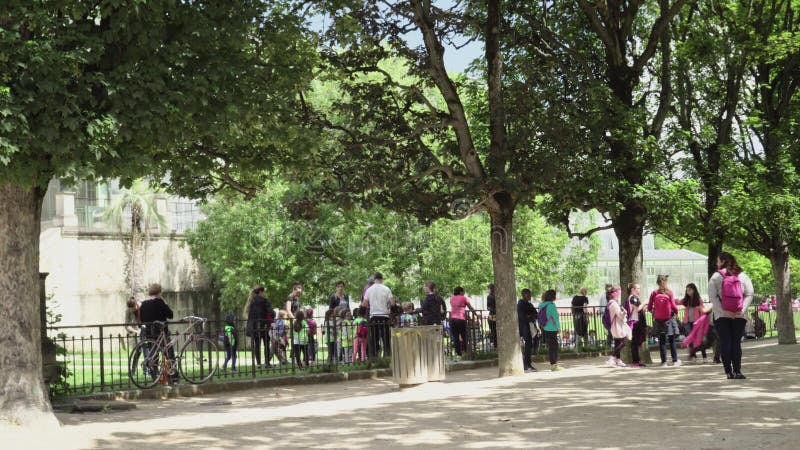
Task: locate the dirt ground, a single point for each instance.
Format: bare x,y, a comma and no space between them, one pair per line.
586,406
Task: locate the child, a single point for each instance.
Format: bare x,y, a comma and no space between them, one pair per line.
300,339
662,305
551,327
702,336
635,309
330,333
278,336
362,332
312,335
346,335
693,305
620,331
408,319
231,343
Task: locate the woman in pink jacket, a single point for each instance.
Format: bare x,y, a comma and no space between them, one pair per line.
620,330
693,304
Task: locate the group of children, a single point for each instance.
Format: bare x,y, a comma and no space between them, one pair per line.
626,322
345,332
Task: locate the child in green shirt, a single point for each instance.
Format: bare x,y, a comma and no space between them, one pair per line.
231,342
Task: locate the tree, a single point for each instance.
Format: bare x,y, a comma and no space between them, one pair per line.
93,88
711,59
140,201
763,203
414,143
605,85
258,241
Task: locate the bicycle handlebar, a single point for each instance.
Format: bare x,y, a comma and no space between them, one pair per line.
193,319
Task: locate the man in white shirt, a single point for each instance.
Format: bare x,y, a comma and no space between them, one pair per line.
379,300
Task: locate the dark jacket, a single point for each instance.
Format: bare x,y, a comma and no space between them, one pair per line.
334,301
261,311
526,313
491,305
151,310
432,309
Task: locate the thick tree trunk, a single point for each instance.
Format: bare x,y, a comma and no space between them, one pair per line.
23,396
780,269
508,351
629,228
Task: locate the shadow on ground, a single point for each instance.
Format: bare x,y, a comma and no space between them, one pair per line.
586,406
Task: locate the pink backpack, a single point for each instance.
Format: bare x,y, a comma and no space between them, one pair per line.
730,294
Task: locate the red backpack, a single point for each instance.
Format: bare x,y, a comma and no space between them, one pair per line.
362,330
730,294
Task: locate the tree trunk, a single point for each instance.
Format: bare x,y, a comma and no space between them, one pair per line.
629,228
23,396
714,249
509,357
780,269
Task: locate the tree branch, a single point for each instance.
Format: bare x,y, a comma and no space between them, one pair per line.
448,90
659,28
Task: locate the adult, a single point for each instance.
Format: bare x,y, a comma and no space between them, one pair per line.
458,320
433,307
293,300
662,305
491,305
580,321
379,300
693,310
260,316
370,282
552,326
155,309
528,331
339,298
729,311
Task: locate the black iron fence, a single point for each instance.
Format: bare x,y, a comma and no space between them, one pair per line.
94,358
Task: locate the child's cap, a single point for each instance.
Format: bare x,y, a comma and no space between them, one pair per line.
230,318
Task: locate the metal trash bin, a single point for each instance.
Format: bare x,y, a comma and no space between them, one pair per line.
417,355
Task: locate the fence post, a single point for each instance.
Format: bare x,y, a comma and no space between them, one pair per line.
102,362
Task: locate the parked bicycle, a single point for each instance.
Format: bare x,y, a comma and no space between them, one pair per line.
152,360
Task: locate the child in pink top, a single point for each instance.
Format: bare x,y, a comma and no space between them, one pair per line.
620,330
662,305
458,320
694,311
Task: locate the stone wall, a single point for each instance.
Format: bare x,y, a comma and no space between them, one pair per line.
87,274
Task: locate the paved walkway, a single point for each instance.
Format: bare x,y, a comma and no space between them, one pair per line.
586,406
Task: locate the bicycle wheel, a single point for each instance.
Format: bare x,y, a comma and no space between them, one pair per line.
198,359
145,364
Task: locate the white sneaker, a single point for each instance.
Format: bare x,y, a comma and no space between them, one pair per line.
620,363
663,364
611,362
677,363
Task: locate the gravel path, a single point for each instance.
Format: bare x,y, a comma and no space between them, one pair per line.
586,406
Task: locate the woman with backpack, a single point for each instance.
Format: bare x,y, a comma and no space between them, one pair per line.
548,321
620,331
693,304
731,293
662,305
